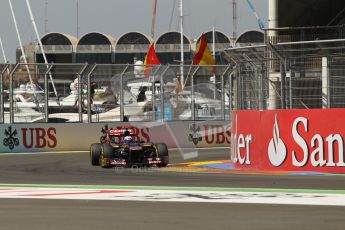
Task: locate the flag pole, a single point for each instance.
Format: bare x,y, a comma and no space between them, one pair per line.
182,52
185,82
214,56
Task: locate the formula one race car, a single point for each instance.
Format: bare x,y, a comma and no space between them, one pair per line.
119,148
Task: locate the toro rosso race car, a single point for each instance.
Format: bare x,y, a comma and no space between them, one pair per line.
119,148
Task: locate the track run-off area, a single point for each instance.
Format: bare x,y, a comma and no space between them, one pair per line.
63,191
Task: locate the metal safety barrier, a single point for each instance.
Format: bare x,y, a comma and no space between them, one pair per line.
86,93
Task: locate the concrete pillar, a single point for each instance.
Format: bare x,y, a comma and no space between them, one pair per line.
271,36
325,84
272,16
272,95
234,95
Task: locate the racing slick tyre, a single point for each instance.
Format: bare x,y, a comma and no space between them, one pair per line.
95,152
162,151
106,153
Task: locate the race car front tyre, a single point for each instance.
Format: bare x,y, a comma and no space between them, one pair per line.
163,153
95,152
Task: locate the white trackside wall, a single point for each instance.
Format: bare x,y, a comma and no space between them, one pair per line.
47,137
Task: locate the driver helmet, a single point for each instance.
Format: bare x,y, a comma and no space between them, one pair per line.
126,133
127,139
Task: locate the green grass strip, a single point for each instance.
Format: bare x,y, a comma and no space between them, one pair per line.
177,188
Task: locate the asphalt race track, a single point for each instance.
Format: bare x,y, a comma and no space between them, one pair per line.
75,169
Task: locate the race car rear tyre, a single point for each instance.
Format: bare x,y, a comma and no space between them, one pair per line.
95,152
107,151
162,151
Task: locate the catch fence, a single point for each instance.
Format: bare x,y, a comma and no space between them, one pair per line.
87,93
288,72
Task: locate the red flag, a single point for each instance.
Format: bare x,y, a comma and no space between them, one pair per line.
203,54
150,60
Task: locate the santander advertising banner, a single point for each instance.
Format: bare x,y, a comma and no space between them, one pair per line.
289,140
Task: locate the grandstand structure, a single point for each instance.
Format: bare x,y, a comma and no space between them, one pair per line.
95,47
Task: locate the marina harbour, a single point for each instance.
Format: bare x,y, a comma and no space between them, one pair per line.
87,93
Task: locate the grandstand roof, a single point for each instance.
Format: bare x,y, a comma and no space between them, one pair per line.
134,38
220,37
58,39
172,37
250,37
96,38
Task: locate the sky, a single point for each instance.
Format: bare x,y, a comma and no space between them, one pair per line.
116,17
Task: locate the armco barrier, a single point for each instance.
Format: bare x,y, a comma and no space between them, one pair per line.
75,136
289,140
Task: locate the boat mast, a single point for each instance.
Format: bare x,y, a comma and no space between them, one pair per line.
234,22
46,17
40,44
154,18
78,19
20,41
181,31
213,42
3,51
4,54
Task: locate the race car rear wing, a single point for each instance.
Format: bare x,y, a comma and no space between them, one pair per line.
120,132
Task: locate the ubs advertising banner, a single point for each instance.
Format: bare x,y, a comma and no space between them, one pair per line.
289,140
79,137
